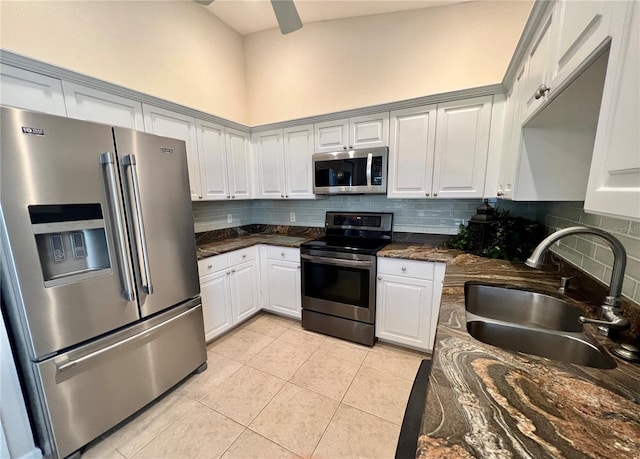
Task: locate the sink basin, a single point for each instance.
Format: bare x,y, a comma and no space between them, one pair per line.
569,348
529,322
521,307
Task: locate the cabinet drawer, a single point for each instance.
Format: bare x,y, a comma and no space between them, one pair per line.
212,264
242,255
406,268
283,253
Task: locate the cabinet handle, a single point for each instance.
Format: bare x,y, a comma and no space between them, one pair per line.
350,147
233,197
200,197
228,196
244,255
282,254
282,196
427,194
435,194
500,193
344,147
228,272
404,268
286,195
209,266
379,277
233,270
541,91
298,266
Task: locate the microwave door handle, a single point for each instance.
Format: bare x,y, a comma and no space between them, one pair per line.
369,161
130,161
338,262
106,160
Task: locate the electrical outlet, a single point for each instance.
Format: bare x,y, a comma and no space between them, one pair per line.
292,217
229,218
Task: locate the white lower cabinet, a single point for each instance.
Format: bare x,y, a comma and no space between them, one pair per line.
229,290
408,301
281,284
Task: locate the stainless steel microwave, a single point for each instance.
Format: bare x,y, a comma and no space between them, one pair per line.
351,172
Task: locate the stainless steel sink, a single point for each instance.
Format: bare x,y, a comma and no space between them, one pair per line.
521,307
532,323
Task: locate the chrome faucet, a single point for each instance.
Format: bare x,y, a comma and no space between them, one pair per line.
611,317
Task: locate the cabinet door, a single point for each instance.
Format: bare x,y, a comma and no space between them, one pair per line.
244,290
411,152
175,125
369,131
462,141
284,287
614,178
582,28
31,91
269,156
213,161
512,138
238,163
539,66
403,313
216,303
332,135
101,107
298,148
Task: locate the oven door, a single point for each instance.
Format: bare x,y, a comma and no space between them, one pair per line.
339,284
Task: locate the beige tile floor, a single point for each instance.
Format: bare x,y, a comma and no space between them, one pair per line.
274,390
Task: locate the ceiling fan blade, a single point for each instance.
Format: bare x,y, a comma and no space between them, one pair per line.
287,15
204,2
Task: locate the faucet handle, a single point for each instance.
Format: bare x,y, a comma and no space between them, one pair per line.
564,283
612,319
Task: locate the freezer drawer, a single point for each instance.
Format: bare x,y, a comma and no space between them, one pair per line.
93,388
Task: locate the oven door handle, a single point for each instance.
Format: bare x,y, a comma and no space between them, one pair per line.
338,262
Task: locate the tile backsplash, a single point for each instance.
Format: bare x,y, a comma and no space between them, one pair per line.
442,216
590,254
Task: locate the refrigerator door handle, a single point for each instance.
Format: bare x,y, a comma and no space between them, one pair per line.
61,366
106,159
130,161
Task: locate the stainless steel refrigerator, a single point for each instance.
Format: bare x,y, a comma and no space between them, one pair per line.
99,273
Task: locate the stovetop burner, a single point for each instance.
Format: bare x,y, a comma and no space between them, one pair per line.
354,232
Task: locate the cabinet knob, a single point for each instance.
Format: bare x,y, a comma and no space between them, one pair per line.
379,277
244,255
298,266
233,197
350,147
541,91
404,268
228,196
209,266
286,195
282,196
200,197
344,147
435,194
500,193
233,270
282,254
228,272
427,194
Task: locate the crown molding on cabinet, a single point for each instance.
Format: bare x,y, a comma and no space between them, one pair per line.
535,17
27,63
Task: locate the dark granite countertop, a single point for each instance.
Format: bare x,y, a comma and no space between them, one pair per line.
487,402
211,249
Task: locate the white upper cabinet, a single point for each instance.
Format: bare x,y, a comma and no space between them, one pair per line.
614,180
440,151
358,132
283,159
462,142
101,107
177,126
582,28
31,91
213,161
298,148
539,66
411,152
239,163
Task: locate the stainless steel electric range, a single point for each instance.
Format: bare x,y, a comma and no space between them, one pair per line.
339,275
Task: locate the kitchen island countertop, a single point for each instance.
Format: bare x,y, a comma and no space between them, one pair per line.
486,402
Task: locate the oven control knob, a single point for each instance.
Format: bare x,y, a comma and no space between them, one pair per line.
404,268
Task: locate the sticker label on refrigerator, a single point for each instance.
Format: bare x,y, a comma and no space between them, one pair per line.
166,150
32,131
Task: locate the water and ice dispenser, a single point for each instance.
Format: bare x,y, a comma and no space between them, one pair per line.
71,242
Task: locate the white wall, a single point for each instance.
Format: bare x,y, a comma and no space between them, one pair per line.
357,62
173,50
